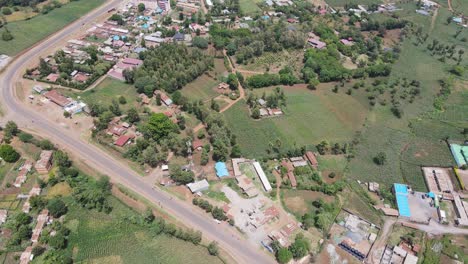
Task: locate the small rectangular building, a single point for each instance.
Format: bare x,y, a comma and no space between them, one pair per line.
221,169
44,163
198,186
401,194
262,176
312,159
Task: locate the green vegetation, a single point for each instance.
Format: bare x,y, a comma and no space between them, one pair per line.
249,7
28,32
125,241
417,137
343,3
308,119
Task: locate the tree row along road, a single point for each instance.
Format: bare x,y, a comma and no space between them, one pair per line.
241,250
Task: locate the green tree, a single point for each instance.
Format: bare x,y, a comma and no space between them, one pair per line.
25,137
141,7
122,100
6,11
199,42
10,130
181,176
213,248
283,255
132,115
380,159
158,127
300,247
256,113
7,36
56,207
8,153
233,81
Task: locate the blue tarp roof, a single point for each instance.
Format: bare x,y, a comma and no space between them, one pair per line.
401,194
221,169
116,37
431,194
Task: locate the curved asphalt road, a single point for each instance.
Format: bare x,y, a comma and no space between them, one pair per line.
241,250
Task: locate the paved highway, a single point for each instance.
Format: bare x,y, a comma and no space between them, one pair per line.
241,250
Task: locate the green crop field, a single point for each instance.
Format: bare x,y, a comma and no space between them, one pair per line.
110,89
27,32
109,238
309,118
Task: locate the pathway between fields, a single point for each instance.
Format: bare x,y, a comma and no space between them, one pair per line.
433,20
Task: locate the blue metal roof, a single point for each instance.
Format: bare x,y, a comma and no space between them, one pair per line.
401,194
221,169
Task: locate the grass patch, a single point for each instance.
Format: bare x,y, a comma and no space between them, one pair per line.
108,90
250,7
299,202
28,32
309,118
201,88
59,189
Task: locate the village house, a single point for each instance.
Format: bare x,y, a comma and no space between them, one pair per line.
312,159
3,216
44,163
36,190
42,219
123,140
23,172
57,98
26,256
164,98
198,186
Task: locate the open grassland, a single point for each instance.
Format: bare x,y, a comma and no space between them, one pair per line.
108,90
27,32
309,118
250,7
108,238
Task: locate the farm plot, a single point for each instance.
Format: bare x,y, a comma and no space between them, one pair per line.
28,32
309,118
100,237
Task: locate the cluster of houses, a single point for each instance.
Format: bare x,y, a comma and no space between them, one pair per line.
42,219
294,162
267,111
427,7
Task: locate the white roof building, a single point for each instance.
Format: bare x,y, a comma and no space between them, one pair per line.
262,176
198,186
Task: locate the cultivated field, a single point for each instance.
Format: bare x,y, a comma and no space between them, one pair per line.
309,118
108,238
28,32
